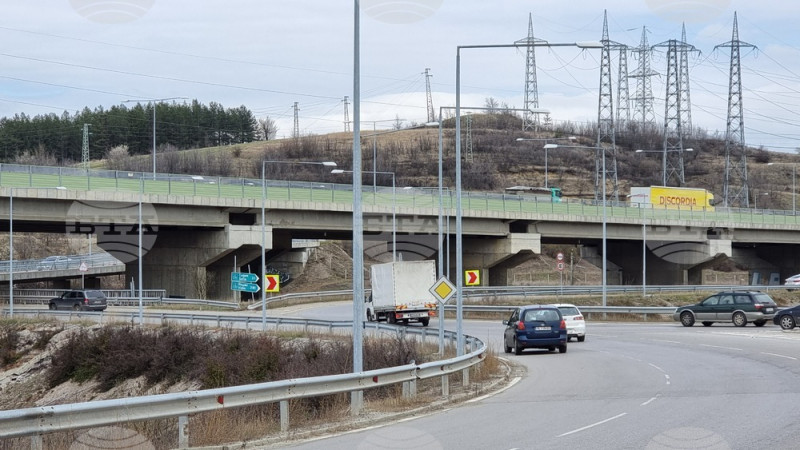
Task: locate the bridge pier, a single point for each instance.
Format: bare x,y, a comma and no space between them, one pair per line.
197,264
494,257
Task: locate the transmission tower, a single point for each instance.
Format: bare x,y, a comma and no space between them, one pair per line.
643,100
85,148
736,191
296,129
431,112
530,119
686,103
605,122
469,139
623,93
346,114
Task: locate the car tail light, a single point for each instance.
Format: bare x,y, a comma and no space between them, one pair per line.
85,300
520,325
758,305
578,317
563,324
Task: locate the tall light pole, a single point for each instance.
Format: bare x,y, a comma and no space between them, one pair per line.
394,207
546,147
264,227
605,217
663,154
153,102
459,242
374,137
794,183
357,397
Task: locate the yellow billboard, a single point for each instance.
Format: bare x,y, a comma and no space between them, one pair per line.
681,198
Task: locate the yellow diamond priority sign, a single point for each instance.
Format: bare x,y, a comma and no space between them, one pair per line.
443,289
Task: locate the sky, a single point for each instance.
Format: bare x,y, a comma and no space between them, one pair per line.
64,55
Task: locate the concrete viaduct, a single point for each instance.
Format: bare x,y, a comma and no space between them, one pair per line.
197,230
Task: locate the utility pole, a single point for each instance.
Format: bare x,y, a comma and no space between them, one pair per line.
672,159
643,101
296,129
85,148
429,96
736,190
530,119
605,120
623,92
686,103
469,139
346,114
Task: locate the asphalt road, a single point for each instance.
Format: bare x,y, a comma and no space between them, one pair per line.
628,386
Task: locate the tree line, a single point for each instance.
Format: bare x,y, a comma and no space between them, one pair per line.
179,125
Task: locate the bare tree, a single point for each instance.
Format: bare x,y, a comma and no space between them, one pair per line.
491,105
267,129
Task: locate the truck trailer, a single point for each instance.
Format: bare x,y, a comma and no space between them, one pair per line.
400,292
666,197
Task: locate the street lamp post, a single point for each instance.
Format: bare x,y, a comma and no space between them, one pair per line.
153,102
794,184
459,241
394,207
664,160
264,227
605,217
546,147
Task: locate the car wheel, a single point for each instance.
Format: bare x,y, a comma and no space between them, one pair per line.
52,306
581,338
562,348
517,347
759,323
506,347
76,307
739,319
687,319
707,324
787,322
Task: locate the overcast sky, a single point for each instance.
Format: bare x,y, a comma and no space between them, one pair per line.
63,55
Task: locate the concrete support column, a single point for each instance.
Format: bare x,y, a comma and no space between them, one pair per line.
495,256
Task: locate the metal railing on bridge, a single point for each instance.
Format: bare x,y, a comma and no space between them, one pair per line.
61,262
21,176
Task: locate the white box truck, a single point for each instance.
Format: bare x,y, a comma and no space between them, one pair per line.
400,292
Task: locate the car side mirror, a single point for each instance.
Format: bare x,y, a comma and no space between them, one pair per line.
505,322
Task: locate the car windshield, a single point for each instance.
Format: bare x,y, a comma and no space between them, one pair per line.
540,314
569,310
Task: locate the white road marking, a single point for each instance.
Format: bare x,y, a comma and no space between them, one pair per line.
779,356
667,378
666,341
492,394
649,401
724,348
657,368
592,425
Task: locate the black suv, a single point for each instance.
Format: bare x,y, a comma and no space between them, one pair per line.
738,307
80,300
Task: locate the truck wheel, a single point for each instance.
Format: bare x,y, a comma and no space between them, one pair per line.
370,316
425,321
391,318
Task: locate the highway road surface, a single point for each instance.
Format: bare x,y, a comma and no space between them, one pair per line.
628,386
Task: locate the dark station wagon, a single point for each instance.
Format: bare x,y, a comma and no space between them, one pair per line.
80,300
738,307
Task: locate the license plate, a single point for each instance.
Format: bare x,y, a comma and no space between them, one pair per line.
769,310
414,315
543,328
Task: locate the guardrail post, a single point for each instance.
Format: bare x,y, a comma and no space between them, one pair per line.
36,442
284,415
183,431
445,386
406,389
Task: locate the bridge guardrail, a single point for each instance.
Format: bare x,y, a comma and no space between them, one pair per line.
21,176
47,419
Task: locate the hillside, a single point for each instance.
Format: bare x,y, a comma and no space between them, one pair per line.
494,160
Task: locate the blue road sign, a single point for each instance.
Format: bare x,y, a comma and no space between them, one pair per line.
246,287
243,277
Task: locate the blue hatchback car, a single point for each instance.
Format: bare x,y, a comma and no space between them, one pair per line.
535,326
